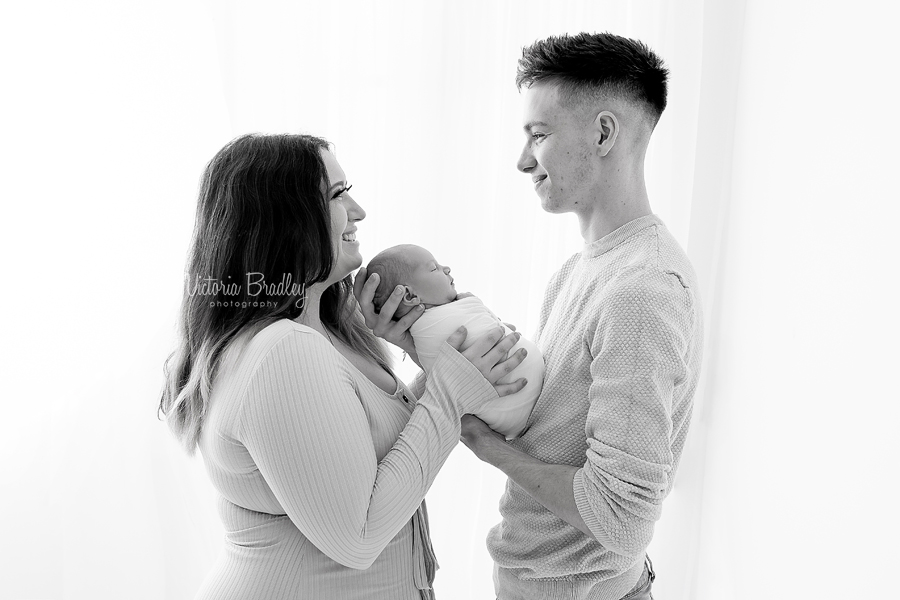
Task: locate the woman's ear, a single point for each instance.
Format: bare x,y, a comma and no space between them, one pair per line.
409,297
606,131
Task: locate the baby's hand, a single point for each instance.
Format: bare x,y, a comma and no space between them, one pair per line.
464,295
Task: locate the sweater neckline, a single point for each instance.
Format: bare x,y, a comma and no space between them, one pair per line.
614,238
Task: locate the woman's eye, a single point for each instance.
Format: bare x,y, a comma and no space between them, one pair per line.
341,192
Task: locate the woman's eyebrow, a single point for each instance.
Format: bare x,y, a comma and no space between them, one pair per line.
337,184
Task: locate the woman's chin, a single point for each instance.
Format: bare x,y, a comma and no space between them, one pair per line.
346,266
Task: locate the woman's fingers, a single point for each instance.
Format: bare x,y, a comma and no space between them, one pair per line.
483,345
506,389
364,290
501,350
358,281
457,338
504,368
489,354
384,320
409,318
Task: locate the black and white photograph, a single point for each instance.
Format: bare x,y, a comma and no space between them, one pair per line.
445,300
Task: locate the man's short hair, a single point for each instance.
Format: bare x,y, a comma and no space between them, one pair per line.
586,66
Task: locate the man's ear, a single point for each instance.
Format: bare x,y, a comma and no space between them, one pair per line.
409,297
606,131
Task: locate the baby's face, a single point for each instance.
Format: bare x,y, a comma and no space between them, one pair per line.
430,281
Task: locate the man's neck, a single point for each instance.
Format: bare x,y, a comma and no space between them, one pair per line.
620,207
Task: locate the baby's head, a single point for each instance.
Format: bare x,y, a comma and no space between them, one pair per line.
425,281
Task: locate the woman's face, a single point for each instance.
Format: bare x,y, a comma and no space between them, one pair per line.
345,212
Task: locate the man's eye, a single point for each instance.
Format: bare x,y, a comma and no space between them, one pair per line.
537,136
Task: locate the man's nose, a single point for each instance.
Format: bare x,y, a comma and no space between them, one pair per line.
526,162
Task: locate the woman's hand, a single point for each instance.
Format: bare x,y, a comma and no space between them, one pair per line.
382,323
488,355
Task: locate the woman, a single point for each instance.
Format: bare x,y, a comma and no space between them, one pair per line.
321,457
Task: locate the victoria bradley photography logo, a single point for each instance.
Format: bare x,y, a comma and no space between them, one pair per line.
255,285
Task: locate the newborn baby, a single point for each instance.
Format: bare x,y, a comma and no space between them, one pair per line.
428,283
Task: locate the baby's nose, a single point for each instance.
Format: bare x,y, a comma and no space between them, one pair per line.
447,270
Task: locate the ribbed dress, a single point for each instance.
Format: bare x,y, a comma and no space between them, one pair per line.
321,473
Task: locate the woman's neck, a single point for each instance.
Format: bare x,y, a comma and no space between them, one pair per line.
311,306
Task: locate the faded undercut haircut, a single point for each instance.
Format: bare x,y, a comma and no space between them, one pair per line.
588,66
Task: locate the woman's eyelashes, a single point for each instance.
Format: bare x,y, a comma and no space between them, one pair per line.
341,192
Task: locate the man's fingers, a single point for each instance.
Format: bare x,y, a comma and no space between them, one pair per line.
457,338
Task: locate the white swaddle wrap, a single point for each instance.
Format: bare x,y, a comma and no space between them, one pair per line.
509,414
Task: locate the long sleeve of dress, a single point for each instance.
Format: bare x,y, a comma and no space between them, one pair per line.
640,356
304,426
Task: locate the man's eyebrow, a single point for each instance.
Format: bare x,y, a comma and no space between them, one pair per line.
531,124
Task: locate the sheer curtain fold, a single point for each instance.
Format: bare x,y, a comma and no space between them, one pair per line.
772,166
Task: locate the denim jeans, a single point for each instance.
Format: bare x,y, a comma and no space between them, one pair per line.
641,590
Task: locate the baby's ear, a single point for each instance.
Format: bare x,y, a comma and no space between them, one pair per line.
409,297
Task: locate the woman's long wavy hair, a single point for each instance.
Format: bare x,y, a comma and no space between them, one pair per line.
261,211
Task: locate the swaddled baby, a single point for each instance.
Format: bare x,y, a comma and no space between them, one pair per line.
428,283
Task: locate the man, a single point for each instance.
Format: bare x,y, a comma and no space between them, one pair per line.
620,331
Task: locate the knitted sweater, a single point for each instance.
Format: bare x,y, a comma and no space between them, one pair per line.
621,333
321,474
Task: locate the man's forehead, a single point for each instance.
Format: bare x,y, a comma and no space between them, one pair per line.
540,104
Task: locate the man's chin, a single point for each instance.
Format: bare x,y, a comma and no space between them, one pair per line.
551,206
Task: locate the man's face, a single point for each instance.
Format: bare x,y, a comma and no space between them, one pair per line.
558,153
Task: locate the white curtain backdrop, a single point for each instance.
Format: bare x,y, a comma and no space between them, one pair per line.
774,166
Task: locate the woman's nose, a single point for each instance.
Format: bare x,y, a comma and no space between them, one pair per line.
355,212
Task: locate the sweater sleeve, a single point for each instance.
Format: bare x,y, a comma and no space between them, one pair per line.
307,432
417,387
638,357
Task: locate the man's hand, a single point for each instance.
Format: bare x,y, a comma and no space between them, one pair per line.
479,438
549,484
382,323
